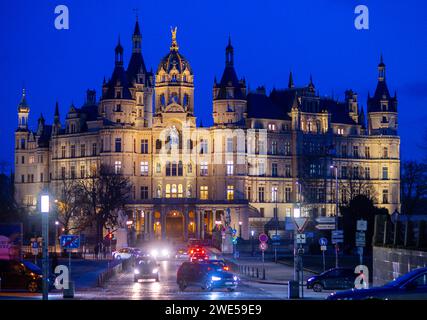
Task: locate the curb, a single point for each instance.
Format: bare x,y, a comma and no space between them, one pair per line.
108,274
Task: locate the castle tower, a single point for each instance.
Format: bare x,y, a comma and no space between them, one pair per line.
229,95
382,108
174,89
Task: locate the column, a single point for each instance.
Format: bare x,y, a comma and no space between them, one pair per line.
163,223
146,225
202,225
186,222
197,221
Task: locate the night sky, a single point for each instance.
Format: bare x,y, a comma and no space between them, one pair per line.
270,38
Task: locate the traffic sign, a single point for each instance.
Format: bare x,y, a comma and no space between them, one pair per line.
300,238
325,220
263,237
362,225
323,241
300,223
325,226
70,241
275,237
263,246
337,236
323,248
360,239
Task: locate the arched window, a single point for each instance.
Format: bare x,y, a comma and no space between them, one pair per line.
168,191
159,191
180,191
174,191
162,100
180,169
189,191
186,100
173,98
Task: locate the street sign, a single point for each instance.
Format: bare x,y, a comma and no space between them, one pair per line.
337,236
360,239
263,237
35,248
70,241
325,226
300,238
325,220
323,242
275,237
323,248
263,246
300,223
362,225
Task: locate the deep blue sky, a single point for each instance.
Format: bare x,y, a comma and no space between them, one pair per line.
270,38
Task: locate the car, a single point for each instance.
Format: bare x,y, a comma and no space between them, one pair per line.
208,276
125,253
196,249
146,268
160,250
220,263
199,257
181,253
332,279
22,275
410,286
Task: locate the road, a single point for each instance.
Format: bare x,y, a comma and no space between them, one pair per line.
123,287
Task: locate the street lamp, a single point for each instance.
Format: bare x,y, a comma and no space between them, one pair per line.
252,242
44,209
336,210
56,234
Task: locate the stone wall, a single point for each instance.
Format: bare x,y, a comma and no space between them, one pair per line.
390,263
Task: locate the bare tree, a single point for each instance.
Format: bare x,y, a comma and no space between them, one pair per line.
413,186
68,200
102,194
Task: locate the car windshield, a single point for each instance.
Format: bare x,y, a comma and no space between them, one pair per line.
32,267
146,261
402,279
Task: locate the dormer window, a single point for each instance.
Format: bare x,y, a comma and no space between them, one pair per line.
73,128
384,107
272,127
118,94
118,108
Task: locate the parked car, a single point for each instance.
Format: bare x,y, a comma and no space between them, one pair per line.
410,286
17,275
332,279
205,275
146,268
199,257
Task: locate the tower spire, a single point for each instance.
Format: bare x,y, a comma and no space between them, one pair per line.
136,37
174,45
381,69
229,53
291,80
119,53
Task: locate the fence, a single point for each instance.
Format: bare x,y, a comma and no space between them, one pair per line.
405,232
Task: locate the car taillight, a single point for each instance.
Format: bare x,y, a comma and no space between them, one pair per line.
226,268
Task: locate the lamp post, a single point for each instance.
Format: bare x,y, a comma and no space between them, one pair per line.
56,236
336,210
297,214
44,209
252,242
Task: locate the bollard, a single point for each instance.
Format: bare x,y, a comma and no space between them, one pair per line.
263,274
257,273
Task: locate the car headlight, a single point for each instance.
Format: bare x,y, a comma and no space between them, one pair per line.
136,271
214,278
165,252
310,279
154,253
155,270
235,278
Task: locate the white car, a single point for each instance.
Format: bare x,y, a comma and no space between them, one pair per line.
123,254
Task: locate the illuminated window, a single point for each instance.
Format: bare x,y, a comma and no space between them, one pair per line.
203,192
117,167
230,192
274,194
144,168
230,168
204,168
272,127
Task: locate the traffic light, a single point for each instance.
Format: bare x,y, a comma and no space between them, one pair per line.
110,236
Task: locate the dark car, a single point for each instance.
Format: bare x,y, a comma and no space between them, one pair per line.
199,257
410,286
332,279
146,268
17,275
205,275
